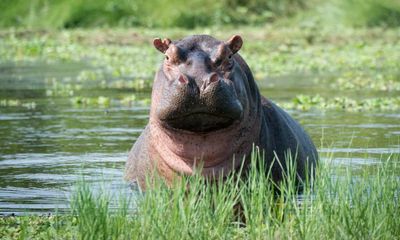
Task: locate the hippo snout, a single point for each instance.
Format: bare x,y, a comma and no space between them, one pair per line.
204,107
197,85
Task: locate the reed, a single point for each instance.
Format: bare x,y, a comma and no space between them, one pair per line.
336,204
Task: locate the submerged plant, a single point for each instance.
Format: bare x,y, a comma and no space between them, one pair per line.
307,102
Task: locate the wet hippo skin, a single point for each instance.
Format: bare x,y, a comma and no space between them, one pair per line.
206,110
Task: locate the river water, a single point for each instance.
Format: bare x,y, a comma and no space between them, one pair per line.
48,140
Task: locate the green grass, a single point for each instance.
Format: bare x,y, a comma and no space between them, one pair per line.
309,102
154,13
61,14
362,63
270,51
339,204
367,13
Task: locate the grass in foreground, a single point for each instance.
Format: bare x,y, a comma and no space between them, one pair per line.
339,206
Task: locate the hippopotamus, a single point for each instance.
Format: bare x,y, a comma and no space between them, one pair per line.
207,112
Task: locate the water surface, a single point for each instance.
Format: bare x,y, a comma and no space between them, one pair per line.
48,140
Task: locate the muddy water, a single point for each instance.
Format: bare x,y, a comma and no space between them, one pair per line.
48,141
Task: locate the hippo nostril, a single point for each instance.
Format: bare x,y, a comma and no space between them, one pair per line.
183,79
213,78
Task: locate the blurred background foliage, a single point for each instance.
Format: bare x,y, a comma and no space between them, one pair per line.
57,14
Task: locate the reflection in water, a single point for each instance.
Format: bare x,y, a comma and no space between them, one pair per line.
46,148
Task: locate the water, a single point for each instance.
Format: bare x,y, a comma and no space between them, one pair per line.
48,142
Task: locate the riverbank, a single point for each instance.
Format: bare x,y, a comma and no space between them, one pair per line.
362,64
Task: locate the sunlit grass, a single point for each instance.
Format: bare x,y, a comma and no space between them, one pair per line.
338,204
309,102
45,14
153,13
367,13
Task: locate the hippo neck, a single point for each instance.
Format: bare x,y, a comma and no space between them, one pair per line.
217,152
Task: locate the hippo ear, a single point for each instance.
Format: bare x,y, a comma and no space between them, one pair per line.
163,45
235,43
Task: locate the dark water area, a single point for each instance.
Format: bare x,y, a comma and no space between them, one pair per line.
49,140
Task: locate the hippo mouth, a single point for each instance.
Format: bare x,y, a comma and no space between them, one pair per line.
200,122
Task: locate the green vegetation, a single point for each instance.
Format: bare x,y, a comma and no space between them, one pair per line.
362,63
307,102
359,205
128,100
370,12
195,13
17,103
324,44
154,13
373,81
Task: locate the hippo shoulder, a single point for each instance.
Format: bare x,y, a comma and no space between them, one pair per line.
281,132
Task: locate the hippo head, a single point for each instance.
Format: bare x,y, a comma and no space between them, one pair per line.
200,86
205,107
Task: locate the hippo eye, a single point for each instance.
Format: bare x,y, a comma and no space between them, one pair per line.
230,64
166,57
230,57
